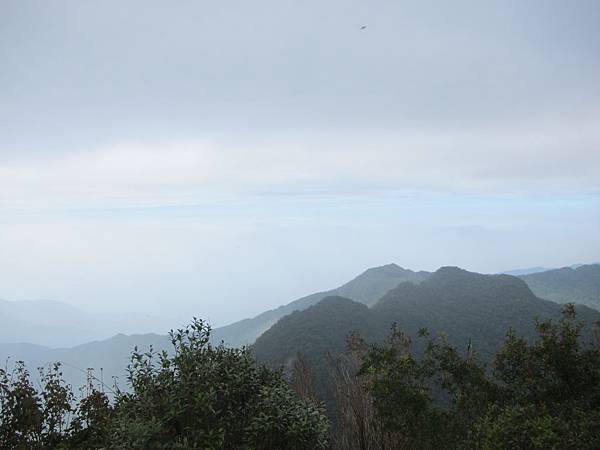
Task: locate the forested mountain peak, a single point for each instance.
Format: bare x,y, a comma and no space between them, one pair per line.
456,283
391,268
367,288
469,308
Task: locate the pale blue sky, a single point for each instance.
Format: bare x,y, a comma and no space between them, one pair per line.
221,158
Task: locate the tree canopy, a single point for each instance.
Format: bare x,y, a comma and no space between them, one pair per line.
540,395
201,396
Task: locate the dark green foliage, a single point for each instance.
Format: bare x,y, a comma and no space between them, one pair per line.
92,422
212,397
32,419
201,397
314,333
427,399
541,395
20,409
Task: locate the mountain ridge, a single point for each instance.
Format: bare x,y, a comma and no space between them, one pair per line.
366,288
467,307
579,284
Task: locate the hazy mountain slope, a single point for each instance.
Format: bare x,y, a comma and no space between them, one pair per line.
372,284
467,305
23,352
463,305
57,324
366,288
112,355
315,332
568,285
527,271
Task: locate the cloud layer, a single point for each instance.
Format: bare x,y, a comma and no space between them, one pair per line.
219,158
541,158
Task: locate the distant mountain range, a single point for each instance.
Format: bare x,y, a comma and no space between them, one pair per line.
112,354
107,358
529,270
568,285
372,284
460,303
465,306
538,269
56,324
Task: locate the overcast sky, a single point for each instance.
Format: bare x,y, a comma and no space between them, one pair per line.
220,158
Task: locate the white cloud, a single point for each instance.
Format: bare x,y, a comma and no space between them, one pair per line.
546,156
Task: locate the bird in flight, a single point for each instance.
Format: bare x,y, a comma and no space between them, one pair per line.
364,27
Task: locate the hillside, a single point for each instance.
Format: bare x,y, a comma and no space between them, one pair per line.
461,304
366,288
568,285
527,271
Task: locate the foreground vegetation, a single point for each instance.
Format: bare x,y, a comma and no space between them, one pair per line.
542,394
201,397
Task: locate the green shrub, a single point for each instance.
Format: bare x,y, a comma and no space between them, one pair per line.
200,397
540,395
